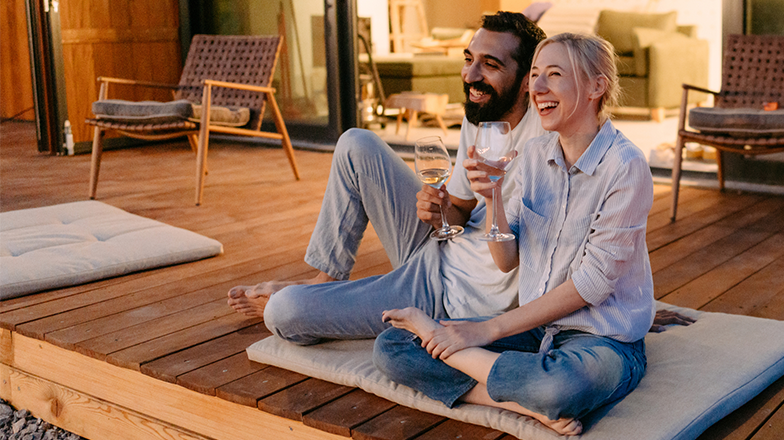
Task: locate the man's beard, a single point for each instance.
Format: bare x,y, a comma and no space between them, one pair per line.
496,107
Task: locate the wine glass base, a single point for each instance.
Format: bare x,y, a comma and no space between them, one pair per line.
501,236
446,233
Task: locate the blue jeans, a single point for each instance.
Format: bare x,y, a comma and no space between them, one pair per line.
368,182
580,373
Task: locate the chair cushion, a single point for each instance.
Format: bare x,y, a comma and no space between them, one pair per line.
74,243
227,116
154,112
616,26
738,122
148,112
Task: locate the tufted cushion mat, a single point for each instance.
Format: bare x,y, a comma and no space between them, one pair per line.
696,376
74,243
739,122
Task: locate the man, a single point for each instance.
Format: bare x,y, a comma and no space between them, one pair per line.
369,182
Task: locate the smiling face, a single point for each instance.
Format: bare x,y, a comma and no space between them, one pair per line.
563,98
494,89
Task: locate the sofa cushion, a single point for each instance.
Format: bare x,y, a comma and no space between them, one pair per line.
569,18
627,66
394,66
150,112
739,122
616,26
643,38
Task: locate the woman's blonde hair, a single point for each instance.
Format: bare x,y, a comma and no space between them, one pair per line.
591,56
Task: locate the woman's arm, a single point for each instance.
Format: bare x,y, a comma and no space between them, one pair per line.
505,253
458,335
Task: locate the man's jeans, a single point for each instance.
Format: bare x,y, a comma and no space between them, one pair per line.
367,182
577,374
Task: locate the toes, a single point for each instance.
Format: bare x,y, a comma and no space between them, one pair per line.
237,292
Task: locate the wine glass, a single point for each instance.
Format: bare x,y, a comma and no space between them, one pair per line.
494,149
433,167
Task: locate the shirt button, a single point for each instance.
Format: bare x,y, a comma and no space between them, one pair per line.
541,290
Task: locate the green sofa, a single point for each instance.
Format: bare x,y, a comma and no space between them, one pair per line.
655,56
422,73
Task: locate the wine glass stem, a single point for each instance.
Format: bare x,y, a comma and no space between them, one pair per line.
494,227
444,223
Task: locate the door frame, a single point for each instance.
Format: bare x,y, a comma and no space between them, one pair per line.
46,63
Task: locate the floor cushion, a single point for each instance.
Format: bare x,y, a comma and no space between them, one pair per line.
696,375
74,243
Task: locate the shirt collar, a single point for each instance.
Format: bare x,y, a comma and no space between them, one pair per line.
590,159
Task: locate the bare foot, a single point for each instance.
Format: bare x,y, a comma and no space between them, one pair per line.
563,426
251,300
411,319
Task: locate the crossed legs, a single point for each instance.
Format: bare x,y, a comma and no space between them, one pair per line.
474,362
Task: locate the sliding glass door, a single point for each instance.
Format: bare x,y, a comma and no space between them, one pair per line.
315,78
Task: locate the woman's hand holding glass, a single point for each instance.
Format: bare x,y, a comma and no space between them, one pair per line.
486,167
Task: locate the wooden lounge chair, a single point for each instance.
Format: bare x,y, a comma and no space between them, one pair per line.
227,71
752,82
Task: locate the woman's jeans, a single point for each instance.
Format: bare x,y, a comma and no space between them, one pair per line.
577,374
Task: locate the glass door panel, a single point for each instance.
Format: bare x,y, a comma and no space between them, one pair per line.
308,60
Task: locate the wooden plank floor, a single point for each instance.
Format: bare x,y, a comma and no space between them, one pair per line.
89,355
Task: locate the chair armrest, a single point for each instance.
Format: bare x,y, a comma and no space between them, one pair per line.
699,89
231,85
672,62
133,82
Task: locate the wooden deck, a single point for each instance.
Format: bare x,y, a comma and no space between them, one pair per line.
159,354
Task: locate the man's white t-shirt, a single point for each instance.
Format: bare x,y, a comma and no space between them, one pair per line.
473,284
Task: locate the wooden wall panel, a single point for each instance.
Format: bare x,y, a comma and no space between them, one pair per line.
132,39
16,83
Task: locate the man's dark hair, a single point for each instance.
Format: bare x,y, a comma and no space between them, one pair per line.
524,29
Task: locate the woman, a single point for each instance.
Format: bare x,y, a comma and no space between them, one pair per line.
583,193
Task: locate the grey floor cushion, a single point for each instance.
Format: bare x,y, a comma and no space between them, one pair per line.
74,243
696,375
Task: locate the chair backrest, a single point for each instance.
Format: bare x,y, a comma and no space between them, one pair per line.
753,71
240,59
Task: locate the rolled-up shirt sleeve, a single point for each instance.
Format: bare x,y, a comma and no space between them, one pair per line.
617,230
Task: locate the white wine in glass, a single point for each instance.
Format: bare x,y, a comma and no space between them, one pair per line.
433,166
494,149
